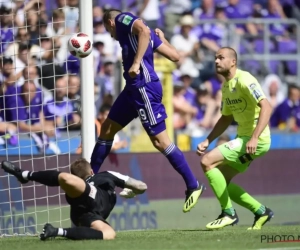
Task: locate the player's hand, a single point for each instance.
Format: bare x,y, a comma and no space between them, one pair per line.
202,147
159,33
134,70
251,146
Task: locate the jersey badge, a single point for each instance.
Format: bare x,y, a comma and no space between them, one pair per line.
127,19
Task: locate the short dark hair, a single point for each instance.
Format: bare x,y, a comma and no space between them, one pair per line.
110,14
24,46
292,86
232,52
104,108
81,168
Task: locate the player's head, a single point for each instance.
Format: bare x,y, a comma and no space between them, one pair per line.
81,168
225,60
109,21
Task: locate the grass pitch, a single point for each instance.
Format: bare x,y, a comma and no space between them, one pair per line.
228,238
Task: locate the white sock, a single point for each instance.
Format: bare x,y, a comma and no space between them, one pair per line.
25,174
60,232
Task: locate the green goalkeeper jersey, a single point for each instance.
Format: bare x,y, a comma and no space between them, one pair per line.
240,97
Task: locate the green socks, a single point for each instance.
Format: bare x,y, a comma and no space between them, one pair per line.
241,197
219,186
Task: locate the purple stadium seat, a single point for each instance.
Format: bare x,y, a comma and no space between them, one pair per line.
259,46
292,67
287,47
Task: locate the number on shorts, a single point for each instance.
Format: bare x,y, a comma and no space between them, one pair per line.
142,114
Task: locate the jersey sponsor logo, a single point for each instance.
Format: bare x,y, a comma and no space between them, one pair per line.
12,209
233,101
236,105
255,91
233,144
93,191
127,19
256,94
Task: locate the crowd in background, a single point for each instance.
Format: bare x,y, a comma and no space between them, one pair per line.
40,83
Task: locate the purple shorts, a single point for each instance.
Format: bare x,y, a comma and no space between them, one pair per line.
143,102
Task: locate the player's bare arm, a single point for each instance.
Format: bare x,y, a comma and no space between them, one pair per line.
138,187
221,125
166,49
143,33
263,121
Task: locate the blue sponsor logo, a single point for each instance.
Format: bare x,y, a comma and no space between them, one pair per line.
13,218
135,213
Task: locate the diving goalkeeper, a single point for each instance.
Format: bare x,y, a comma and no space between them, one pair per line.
91,196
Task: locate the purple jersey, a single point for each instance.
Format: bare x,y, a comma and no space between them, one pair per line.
17,110
129,43
7,37
62,109
284,111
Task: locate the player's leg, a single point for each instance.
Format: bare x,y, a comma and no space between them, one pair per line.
98,230
152,115
237,194
121,113
71,184
217,181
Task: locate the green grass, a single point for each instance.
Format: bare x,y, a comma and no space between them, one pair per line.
228,238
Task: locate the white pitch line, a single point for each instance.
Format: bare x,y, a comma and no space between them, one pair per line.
280,248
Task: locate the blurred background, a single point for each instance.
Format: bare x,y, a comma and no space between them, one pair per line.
40,108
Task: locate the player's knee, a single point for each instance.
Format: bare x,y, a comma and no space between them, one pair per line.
109,234
159,144
206,163
109,128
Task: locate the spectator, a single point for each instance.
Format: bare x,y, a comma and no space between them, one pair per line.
23,106
174,11
149,11
102,115
7,76
214,34
274,90
241,10
206,108
6,30
59,111
23,37
50,68
186,43
207,10
106,81
183,110
74,97
287,114
23,57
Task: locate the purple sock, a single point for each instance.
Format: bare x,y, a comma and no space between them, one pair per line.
100,152
177,160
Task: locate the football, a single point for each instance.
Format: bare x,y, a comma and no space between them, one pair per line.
80,45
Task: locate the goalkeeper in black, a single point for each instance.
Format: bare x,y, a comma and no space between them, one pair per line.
91,197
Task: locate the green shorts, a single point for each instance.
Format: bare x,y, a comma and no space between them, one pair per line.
235,154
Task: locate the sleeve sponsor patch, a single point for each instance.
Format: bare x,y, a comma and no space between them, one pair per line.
127,19
256,92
